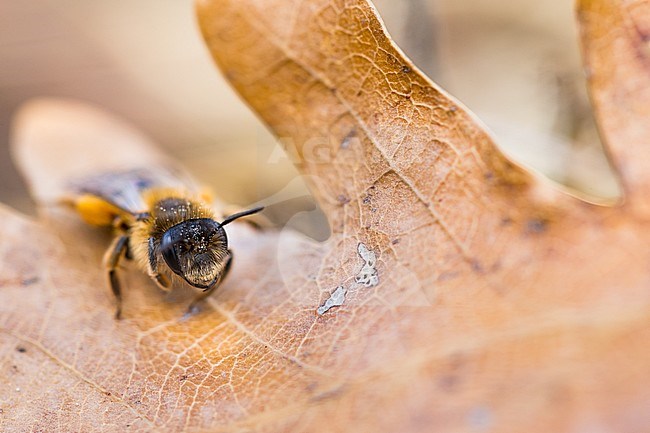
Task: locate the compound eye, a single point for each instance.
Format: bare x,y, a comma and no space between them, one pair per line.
168,248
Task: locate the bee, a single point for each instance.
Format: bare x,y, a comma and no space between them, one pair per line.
166,226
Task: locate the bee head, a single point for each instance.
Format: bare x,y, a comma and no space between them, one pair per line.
197,250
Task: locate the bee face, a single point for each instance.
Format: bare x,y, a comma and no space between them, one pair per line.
197,250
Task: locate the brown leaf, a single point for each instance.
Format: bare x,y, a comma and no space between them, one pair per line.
457,293
615,39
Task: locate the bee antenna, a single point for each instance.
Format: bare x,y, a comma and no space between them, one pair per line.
238,215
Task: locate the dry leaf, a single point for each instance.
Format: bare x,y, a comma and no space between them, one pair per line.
457,292
615,37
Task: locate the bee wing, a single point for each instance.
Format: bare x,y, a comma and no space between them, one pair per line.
124,189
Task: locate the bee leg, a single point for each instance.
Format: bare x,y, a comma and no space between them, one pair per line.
161,280
111,260
128,254
120,226
207,292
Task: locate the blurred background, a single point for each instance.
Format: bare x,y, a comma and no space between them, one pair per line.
515,63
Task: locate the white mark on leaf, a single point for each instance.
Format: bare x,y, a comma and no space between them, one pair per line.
336,299
368,275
